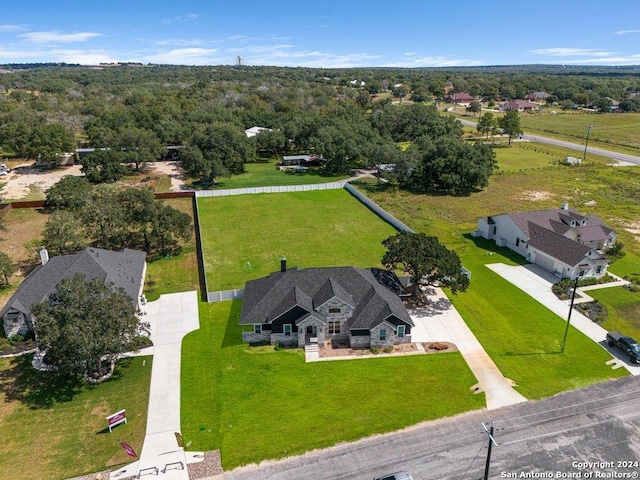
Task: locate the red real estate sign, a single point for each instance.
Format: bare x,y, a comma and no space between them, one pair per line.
117,418
128,449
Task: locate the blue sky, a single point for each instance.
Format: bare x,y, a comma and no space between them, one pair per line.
317,33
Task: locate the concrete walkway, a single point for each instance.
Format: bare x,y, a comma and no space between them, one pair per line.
170,318
537,282
443,323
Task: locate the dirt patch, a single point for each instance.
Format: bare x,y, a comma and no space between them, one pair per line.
536,195
173,170
22,178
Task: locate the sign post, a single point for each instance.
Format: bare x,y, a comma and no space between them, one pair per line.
117,418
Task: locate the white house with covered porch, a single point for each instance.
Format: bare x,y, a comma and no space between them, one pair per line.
560,240
361,307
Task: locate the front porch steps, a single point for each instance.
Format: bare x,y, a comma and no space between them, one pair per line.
311,352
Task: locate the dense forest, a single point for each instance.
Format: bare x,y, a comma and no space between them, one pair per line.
349,116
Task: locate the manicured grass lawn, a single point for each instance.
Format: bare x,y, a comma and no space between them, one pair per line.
623,309
254,403
245,236
521,335
53,429
266,174
626,266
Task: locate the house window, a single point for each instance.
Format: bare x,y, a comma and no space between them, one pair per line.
334,328
383,334
598,269
287,329
334,310
400,331
517,242
257,328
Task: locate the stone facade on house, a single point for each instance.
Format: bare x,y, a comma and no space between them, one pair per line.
323,304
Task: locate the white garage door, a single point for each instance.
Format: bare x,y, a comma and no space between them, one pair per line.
544,262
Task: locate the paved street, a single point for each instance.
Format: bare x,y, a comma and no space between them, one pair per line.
620,157
597,424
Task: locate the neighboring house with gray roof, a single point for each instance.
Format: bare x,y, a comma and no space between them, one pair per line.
125,269
314,305
560,240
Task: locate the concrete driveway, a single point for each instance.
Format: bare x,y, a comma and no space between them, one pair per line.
442,322
537,282
170,318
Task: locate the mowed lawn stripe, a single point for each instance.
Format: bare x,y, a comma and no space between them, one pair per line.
244,236
255,403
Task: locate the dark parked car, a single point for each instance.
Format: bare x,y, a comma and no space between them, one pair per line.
627,344
396,476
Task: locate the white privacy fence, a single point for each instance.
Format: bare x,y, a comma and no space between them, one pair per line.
274,189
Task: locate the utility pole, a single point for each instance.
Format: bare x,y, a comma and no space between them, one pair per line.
492,441
584,155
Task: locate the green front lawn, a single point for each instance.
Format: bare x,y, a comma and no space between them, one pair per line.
266,174
245,236
254,403
521,335
623,309
55,429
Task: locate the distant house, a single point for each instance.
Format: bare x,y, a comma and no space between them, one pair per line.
460,98
518,105
560,240
124,269
361,307
253,131
538,97
301,160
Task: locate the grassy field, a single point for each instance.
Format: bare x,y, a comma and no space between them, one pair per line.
245,236
53,429
527,155
255,403
266,174
615,131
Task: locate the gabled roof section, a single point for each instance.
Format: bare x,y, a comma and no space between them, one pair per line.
268,297
556,245
552,219
329,289
119,269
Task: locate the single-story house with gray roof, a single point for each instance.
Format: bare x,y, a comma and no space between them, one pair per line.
125,269
560,240
299,307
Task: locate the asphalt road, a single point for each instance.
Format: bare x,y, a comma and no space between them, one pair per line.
555,437
620,157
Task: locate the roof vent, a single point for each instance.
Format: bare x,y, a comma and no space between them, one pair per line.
44,255
565,206
283,264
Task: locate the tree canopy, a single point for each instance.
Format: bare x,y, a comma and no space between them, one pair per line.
510,124
425,260
84,325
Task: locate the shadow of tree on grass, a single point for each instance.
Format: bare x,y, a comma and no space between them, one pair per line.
41,390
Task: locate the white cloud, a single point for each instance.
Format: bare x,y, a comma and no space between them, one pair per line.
59,37
189,56
440,61
626,32
84,57
607,60
10,28
564,52
181,18
181,42
19,54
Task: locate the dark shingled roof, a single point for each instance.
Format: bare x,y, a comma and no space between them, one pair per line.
556,219
556,246
122,269
267,298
